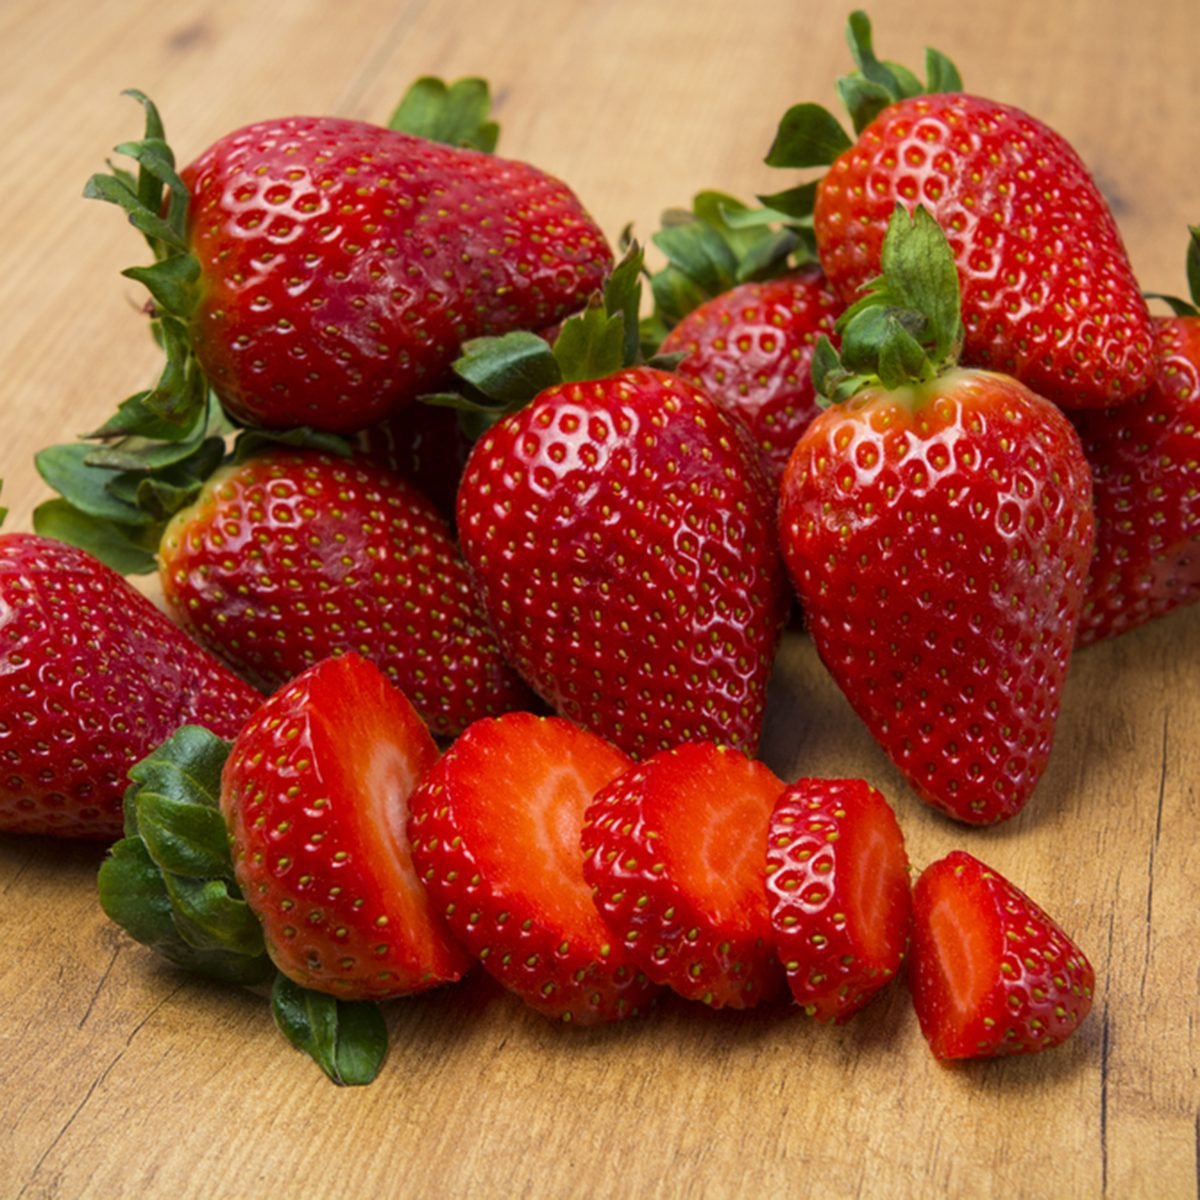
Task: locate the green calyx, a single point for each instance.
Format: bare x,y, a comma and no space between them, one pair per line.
1191,306
502,374
810,136
170,884
907,328
455,114
715,245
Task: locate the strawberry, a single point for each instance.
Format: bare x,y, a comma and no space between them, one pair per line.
837,886
94,677
751,349
620,534
1144,458
938,527
1048,293
315,792
495,829
294,555
674,856
990,972
323,272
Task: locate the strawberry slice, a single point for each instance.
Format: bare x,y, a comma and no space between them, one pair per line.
990,972
495,832
837,886
675,859
315,793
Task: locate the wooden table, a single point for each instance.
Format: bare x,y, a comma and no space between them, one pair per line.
120,1077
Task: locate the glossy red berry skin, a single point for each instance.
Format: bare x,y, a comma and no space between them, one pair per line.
1048,293
939,540
342,265
92,678
1145,460
622,538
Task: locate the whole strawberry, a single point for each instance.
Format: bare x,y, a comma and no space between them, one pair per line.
1048,293
1144,460
937,525
93,678
621,537
751,349
315,793
991,973
324,272
294,555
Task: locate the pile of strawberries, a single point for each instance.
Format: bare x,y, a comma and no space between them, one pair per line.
417,468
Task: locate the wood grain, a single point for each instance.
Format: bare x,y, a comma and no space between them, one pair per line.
120,1077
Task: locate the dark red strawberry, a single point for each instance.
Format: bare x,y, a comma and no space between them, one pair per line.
326,271
92,678
315,793
838,890
990,972
938,527
1048,293
495,833
751,349
621,537
294,555
674,855
1145,459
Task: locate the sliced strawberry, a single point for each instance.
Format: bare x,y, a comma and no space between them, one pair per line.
315,793
990,972
495,833
837,886
675,858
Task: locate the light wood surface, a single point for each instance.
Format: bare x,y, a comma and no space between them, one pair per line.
120,1077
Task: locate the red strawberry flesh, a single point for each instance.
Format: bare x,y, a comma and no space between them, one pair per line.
315,792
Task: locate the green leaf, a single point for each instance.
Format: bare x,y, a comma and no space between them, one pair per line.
115,545
251,442
623,295
346,1039
183,837
208,916
171,281
864,100
133,895
808,136
701,253
1193,263
902,358
795,203
175,462
591,345
675,295
768,256
941,75
87,488
919,267
455,114
186,767
509,370
858,37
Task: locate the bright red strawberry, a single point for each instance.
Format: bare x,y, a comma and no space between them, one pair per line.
93,677
294,555
990,972
1048,293
495,833
751,349
315,793
621,537
838,890
326,271
1145,460
674,854
938,528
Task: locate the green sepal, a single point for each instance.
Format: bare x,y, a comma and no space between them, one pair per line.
701,254
348,1040
1179,306
114,545
796,202
66,469
808,136
941,75
508,370
455,114
862,99
907,327
592,344
254,441
171,281
175,866
134,419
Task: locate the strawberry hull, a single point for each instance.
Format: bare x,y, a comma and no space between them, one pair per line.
343,265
